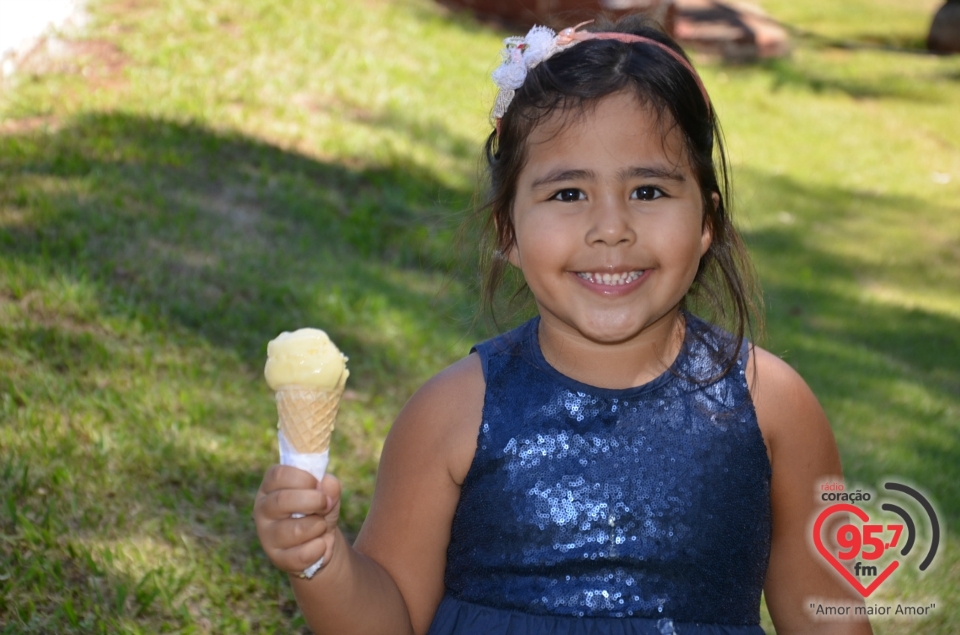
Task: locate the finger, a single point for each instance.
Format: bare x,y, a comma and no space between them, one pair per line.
286,502
296,532
285,536
330,487
286,477
282,538
283,504
296,559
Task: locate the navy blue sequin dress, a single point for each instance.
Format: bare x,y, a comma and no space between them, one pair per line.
590,511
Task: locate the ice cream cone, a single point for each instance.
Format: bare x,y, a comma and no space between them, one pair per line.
307,415
307,373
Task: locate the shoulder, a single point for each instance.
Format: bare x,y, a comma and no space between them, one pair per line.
441,420
772,380
444,392
802,449
769,374
803,454
424,460
790,417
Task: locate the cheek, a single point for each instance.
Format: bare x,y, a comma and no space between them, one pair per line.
543,233
681,232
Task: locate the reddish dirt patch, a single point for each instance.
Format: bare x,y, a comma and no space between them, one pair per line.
732,29
100,62
27,124
563,13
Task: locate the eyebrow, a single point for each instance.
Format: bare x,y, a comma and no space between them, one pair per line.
653,173
561,175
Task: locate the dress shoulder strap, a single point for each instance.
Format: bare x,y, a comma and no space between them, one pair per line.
496,351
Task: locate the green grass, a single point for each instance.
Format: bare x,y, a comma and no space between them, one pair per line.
202,175
892,23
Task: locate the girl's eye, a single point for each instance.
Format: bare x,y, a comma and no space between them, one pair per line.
647,193
569,195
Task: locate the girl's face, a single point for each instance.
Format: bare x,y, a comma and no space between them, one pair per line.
608,220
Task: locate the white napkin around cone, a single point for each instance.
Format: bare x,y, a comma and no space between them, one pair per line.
315,465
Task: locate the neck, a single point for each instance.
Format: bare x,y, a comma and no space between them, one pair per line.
618,365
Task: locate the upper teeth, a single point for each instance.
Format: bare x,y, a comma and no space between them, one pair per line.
611,278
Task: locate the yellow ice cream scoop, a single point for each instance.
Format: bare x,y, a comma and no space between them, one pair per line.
306,357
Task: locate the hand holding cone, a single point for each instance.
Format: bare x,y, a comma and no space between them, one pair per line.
308,374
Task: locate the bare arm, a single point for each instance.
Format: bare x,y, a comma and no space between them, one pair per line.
803,454
391,581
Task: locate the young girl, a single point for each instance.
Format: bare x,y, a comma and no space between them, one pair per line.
616,465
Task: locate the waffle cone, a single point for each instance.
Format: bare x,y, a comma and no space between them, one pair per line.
306,416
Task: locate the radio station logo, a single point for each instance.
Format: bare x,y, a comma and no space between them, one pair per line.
868,548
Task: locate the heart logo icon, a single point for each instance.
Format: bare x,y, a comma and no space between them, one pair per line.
832,559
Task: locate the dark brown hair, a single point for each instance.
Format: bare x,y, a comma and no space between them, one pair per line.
724,290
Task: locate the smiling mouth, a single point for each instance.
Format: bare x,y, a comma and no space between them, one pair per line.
611,279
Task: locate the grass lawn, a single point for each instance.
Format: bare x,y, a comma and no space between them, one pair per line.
188,178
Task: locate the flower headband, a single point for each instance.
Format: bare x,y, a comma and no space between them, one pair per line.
522,54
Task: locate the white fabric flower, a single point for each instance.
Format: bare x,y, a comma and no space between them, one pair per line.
510,74
520,54
539,45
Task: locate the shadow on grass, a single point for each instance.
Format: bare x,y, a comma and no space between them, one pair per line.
149,262
787,73
906,43
235,239
888,374
888,377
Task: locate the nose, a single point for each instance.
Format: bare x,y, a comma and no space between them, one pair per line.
610,223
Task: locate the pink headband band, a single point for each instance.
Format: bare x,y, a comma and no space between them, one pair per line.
521,55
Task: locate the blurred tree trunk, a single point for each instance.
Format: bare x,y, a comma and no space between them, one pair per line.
945,30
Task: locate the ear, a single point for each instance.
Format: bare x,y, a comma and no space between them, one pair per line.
706,236
513,255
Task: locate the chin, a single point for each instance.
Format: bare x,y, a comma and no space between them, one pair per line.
617,329
612,333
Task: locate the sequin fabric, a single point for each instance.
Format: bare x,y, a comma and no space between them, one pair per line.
650,502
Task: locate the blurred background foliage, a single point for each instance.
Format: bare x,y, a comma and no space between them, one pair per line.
186,178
